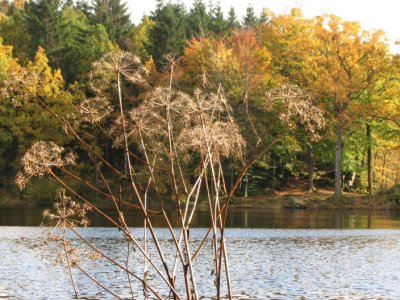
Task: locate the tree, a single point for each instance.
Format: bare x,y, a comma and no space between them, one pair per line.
14,31
4,7
198,20
9,68
288,38
348,62
168,35
140,42
218,25
79,43
250,20
43,17
114,16
23,119
232,21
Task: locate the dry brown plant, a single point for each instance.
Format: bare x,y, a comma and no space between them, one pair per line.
295,106
167,127
39,160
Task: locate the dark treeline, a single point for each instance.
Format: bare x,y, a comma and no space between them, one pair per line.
353,82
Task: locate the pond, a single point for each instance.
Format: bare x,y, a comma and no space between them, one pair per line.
282,262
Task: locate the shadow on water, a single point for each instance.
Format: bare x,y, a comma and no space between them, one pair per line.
249,218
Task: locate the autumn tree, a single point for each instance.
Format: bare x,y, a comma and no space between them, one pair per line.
140,41
347,63
288,38
25,92
14,31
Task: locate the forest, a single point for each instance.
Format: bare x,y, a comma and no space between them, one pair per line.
341,81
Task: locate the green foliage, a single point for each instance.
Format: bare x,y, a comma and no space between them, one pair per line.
41,191
113,15
232,22
13,29
80,43
168,35
218,25
250,20
199,20
140,42
43,18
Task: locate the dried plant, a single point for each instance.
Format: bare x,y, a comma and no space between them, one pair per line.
161,100
222,138
39,160
93,110
166,125
14,86
124,63
67,212
295,105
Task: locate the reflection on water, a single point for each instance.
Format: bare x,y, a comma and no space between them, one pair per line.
253,218
265,264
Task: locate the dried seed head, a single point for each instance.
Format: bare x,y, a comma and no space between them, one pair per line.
125,64
67,212
221,138
162,99
210,103
93,110
295,105
39,160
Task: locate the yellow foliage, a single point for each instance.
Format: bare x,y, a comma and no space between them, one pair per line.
43,81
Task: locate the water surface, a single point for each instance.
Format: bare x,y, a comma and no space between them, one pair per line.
264,263
243,218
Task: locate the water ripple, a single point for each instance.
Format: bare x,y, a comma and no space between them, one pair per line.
264,264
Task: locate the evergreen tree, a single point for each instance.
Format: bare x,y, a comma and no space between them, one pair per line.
80,43
232,22
42,17
266,16
114,16
84,7
198,19
168,35
218,24
14,31
250,20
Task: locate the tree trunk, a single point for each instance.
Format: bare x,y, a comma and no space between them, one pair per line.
310,168
273,171
338,160
246,185
246,178
369,158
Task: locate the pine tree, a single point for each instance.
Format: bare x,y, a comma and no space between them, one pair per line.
250,20
114,16
168,35
80,43
232,22
198,19
42,17
218,23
